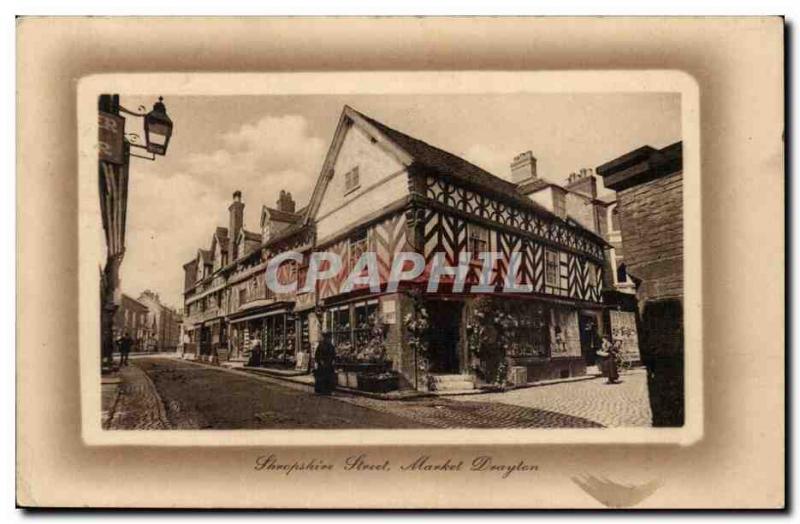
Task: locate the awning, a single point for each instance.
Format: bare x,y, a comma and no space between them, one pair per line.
263,314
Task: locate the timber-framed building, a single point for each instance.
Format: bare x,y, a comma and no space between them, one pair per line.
381,190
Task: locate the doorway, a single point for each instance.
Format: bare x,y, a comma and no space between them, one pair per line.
445,335
590,339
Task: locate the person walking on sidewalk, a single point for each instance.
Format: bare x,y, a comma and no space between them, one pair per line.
610,350
255,355
125,344
324,372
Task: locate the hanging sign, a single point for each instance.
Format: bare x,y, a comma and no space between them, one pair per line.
110,138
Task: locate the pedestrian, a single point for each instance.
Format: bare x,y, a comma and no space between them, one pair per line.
255,354
610,351
124,344
324,372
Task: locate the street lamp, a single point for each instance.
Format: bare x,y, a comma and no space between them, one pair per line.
114,147
157,128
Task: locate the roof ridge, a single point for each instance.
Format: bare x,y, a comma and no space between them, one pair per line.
438,149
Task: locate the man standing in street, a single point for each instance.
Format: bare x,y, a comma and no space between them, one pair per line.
324,373
125,344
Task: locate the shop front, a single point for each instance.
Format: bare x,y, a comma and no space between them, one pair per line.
278,332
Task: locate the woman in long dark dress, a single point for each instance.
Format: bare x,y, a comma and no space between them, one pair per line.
255,355
610,350
324,372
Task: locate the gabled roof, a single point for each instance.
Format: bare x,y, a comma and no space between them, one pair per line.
250,235
221,233
446,163
206,255
534,185
409,150
280,216
221,236
132,301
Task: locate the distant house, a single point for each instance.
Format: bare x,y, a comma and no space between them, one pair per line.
131,318
163,322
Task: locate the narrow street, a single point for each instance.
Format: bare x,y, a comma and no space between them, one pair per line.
165,393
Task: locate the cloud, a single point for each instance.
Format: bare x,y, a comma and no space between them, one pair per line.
171,215
490,158
274,153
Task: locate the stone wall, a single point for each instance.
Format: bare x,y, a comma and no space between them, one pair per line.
651,216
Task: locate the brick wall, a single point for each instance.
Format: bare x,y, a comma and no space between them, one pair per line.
651,216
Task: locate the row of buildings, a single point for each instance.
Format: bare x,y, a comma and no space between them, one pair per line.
152,325
384,191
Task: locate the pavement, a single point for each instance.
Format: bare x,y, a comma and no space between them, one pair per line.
624,404
163,393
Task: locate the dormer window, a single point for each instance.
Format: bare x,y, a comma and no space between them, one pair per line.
351,180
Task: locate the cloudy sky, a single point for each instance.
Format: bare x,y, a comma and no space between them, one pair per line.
262,144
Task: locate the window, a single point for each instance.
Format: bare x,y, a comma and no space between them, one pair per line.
366,314
622,273
531,336
351,181
302,272
358,246
351,325
242,295
551,268
478,241
274,338
339,325
614,219
305,341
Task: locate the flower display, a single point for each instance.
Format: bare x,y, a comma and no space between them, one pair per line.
497,330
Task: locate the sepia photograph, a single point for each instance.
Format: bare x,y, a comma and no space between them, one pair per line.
405,263
498,260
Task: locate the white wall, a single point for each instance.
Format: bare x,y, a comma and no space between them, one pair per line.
338,210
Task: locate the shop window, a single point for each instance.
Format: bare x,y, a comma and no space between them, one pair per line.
339,325
305,339
531,336
551,268
274,337
365,316
478,240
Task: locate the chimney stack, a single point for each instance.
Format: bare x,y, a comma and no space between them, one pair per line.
285,202
523,168
583,182
236,217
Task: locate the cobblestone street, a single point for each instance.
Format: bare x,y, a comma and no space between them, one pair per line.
162,393
611,405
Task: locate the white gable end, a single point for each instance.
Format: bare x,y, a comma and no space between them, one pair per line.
381,177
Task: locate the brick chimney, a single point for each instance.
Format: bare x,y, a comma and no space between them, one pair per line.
523,168
285,202
236,214
583,182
